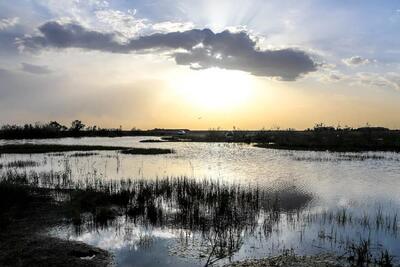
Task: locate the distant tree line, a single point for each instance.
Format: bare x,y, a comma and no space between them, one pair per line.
77,128
320,137
54,129
323,137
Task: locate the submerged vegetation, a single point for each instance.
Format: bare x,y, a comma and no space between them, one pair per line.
78,154
359,254
221,215
362,254
19,164
214,222
332,157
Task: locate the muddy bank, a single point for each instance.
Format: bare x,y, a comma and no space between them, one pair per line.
24,242
320,260
40,250
323,260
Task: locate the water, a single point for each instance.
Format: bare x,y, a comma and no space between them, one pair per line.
364,185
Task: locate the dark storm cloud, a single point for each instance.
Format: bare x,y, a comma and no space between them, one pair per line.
71,35
35,69
201,49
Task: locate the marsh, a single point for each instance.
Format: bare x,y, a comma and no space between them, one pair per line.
131,205
199,133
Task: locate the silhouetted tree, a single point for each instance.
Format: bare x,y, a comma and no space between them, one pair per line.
54,125
77,126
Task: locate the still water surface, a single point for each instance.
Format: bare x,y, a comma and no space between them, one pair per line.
364,184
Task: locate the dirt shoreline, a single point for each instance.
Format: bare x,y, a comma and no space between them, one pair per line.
24,238
291,260
25,242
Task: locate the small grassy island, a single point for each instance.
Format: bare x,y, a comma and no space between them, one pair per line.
52,148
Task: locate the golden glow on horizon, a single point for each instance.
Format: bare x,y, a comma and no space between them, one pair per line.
214,89
141,92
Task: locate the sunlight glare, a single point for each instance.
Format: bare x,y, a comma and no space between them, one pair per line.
215,88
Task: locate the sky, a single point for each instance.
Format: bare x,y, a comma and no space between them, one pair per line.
200,64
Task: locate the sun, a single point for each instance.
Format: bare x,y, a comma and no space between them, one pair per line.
214,88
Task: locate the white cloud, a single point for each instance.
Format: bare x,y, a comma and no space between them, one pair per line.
329,73
122,22
74,10
332,77
130,26
387,80
170,26
356,61
7,23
